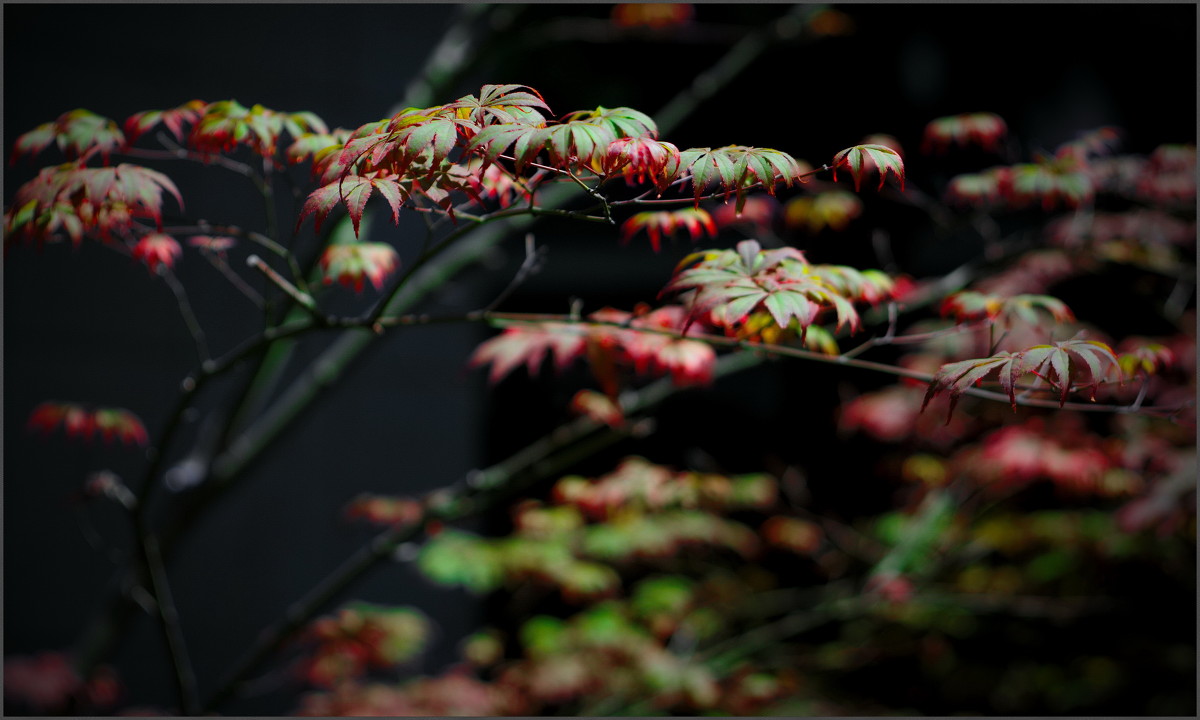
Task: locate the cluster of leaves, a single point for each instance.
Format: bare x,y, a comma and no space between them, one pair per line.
664,571
728,285
1068,178
639,511
645,341
362,637
48,684
614,650
86,422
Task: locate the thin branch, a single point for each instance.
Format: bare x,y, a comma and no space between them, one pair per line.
306,301
530,265
185,309
223,267
168,615
176,151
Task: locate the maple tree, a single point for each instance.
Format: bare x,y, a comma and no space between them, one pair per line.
647,587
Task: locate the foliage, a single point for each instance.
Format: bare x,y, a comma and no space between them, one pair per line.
650,587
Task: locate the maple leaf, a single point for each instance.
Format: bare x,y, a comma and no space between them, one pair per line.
80,199
854,158
763,166
735,167
1055,359
354,191
598,407
870,286
731,284
227,124
641,158
82,422
1052,363
1144,356
707,167
990,185
428,139
139,123
982,128
335,161
656,224
310,145
34,141
492,182
1053,181
529,344
121,424
491,142
157,249
689,362
833,209
957,377
969,305
576,143
623,122
350,263
77,133
501,104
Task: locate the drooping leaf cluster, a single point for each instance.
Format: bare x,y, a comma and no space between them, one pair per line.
1065,366
728,285
81,200
645,342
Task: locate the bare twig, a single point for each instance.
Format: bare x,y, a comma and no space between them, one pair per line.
306,301
530,265
185,309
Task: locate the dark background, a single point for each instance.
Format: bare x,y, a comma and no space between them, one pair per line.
88,325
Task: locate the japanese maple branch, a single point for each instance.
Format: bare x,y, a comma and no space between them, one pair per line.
331,363
175,151
333,360
641,199
503,319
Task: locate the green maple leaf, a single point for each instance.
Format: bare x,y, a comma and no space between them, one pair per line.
354,191
1053,363
736,282
76,133
969,305
884,158
501,104
621,121
173,119
736,168
958,377
576,142
492,141
708,167
1055,359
